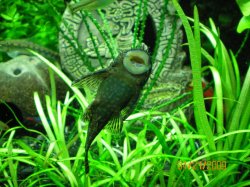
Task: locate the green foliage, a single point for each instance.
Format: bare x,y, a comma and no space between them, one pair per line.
244,23
33,20
195,57
244,6
230,113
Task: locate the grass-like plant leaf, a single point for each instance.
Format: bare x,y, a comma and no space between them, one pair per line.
195,57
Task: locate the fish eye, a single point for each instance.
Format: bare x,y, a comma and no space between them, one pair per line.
136,61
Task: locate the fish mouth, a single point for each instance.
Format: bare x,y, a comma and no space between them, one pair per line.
138,56
137,61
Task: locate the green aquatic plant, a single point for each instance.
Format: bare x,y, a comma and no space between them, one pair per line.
34,20
229,117
195,57
244,23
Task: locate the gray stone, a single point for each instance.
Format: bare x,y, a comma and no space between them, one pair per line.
20,77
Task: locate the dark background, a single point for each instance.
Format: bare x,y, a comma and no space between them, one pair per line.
226,16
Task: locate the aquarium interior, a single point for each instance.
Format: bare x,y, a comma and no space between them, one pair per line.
190,125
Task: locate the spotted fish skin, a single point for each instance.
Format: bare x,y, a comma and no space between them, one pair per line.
118,90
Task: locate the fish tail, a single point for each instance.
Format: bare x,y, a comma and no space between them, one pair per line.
92,133
86,163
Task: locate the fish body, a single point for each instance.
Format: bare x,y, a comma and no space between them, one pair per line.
89,5
117,90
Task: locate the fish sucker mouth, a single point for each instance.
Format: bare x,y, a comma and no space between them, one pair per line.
137,59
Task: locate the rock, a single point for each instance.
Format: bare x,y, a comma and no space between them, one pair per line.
21,77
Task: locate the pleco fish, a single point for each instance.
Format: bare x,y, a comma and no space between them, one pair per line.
89,5
117,90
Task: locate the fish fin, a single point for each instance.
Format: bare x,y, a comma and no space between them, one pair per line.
87,115
126,111
91,81
115,124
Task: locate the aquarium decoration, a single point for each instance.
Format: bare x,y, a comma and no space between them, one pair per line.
21,76
91,40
